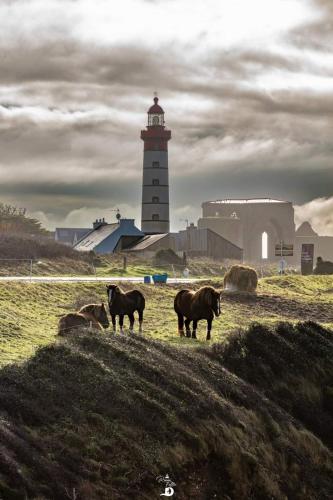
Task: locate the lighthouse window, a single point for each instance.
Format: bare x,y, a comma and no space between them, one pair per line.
156,217
156,182
156,164
156,199
156,120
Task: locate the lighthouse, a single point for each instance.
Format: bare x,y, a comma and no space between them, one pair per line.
155,217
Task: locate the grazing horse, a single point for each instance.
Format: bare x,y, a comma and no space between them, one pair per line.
125,303
91,315
195,306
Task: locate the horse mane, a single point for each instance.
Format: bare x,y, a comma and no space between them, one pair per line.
90,308
95,310
203,296
89,316
117,289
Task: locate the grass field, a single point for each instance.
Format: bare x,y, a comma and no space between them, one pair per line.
111,265
29,312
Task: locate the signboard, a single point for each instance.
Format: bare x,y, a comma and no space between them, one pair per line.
284,250
307,258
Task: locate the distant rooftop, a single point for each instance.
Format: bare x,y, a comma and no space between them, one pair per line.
95,237
305,229
147,241
70,235
249,200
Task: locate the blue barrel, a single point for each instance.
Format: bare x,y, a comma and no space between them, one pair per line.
160,278
147,279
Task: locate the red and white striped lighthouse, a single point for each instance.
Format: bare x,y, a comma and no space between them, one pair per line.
155,217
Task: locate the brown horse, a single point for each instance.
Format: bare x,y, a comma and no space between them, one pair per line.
195,306
125,304
89,316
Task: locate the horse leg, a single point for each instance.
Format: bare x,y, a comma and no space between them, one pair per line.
113,317
181,325
131,319
187,327
209,328
121,323
140,320
194,331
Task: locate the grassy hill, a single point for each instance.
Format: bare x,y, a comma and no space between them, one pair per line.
29,312
48,257
100,416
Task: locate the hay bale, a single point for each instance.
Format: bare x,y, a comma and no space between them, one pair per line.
241,279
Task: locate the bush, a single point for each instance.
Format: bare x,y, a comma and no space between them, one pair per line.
15,246
167,256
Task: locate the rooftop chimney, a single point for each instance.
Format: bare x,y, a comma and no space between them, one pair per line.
98,223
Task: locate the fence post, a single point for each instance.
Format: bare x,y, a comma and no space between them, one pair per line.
30,269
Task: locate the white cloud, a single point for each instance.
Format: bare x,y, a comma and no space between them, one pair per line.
214,22
85,216
319,213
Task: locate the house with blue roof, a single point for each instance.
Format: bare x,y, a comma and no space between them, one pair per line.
108,238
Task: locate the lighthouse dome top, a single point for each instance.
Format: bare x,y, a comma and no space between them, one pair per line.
155,109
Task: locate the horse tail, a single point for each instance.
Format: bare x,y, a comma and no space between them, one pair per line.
177,301
141,301
62,325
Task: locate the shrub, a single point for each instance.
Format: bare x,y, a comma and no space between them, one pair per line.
15,246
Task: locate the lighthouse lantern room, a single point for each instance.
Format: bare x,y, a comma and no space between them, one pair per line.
155,184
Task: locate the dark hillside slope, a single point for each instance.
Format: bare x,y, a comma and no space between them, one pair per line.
292,365
99,417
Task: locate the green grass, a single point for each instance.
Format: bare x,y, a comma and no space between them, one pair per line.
113,265
47,267
29,312
303,287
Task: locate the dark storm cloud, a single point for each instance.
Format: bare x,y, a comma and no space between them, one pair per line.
73,62
89,191
257,182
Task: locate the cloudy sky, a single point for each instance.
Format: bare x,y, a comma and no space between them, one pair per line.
247,87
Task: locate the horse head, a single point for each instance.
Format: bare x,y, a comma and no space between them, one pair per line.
112,291
101,316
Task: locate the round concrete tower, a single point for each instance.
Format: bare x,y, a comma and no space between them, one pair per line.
155,183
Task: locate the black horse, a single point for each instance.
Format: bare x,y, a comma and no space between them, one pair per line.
125,304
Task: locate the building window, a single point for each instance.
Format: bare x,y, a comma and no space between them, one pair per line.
156,182
156,217
264,245
155,199
156,164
